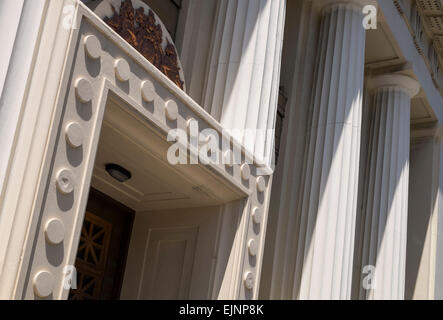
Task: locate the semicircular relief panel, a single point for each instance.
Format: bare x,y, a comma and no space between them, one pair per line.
139,25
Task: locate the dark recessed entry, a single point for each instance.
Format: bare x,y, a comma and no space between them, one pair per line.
103,249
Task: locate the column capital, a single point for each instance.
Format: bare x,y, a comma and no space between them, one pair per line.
407,84
357,3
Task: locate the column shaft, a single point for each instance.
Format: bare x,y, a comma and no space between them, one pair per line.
242,82
327,202
385,197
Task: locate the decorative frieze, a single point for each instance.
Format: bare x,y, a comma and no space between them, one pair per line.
65,181
54,231
122,69
43,284
92,46
83,89
148,91
74,134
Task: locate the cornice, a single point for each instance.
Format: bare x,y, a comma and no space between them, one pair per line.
424,19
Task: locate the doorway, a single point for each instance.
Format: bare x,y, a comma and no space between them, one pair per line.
103,249
177,224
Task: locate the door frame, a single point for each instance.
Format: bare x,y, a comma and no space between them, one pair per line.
62,191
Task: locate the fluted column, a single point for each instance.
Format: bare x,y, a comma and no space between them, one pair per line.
327,202
385,200
242,82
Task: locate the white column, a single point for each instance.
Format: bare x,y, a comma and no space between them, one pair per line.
327,203
385,202
242,82
297,79
421,244
20,25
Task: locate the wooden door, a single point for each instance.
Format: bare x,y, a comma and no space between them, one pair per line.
102,250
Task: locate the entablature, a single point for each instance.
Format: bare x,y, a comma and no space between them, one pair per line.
424,19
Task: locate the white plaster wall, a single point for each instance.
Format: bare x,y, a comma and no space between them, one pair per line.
182,253
170,254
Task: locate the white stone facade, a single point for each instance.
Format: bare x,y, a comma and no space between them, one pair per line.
351,209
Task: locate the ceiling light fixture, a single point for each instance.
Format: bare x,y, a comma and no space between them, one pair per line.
118,172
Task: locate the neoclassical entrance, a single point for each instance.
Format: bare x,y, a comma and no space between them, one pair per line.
109,88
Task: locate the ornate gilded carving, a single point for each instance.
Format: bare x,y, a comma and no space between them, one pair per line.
170,65
143,33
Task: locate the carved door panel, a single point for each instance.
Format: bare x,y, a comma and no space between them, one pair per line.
171,254
102,250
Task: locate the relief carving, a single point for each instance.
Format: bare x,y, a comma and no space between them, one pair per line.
170,65
143,33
